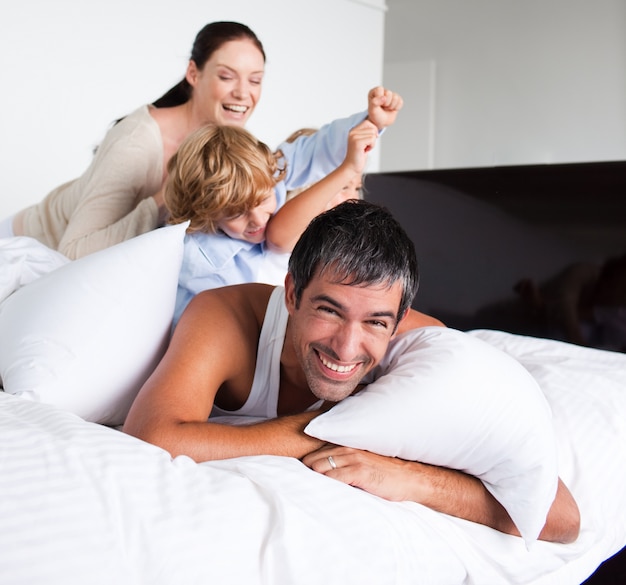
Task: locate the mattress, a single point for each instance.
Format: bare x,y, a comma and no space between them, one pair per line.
84,503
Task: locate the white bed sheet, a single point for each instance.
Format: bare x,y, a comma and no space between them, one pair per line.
82,503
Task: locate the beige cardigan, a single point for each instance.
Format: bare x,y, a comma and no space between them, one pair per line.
111,201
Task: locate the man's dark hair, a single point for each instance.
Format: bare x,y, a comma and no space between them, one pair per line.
358,243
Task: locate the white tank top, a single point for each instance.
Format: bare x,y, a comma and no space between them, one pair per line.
263,399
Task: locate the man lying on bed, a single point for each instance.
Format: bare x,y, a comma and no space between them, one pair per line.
352,278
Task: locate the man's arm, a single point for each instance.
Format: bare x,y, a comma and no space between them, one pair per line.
444,490
213,354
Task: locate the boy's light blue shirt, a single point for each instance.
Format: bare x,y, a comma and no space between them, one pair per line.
213,260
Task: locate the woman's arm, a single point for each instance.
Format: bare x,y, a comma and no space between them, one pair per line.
113,200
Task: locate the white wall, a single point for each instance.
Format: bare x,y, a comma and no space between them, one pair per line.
505,82
71,67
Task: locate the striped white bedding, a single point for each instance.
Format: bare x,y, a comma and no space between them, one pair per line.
82,503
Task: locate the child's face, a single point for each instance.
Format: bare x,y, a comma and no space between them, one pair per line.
351,191
250,226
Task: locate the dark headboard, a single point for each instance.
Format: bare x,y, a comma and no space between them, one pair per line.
479,232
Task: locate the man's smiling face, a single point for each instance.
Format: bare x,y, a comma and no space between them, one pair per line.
340,331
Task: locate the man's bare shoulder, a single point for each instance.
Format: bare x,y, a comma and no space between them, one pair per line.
414,320
242,304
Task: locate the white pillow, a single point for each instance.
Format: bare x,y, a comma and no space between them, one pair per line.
445,398
85,336
23,260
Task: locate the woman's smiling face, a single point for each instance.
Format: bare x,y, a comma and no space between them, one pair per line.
228,87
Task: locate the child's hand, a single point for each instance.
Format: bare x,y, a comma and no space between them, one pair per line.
361,139
383,106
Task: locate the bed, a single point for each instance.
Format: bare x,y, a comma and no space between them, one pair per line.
81,502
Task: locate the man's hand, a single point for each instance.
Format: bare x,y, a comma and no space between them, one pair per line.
386,477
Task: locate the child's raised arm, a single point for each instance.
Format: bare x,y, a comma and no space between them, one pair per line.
284,229
383,106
